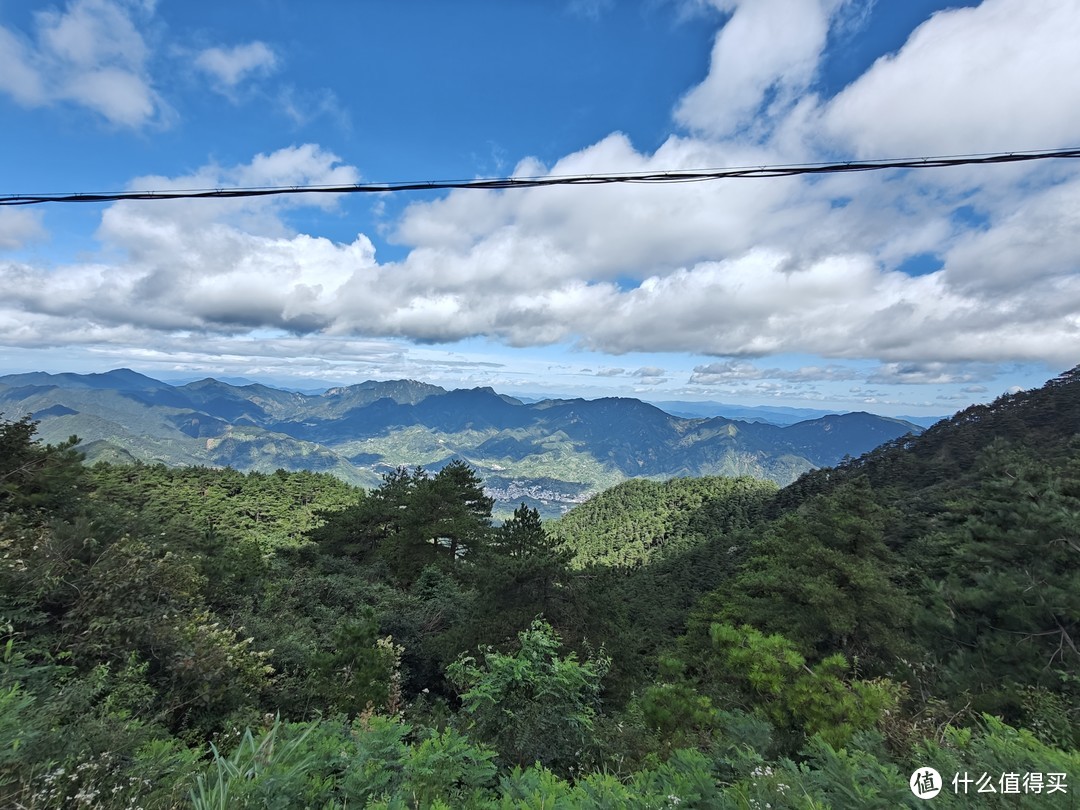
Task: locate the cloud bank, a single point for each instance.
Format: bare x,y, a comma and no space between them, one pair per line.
735,269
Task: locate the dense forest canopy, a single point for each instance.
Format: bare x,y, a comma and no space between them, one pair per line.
206,638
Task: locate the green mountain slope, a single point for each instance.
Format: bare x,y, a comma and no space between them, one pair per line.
638,521
943,459
955,549
946,560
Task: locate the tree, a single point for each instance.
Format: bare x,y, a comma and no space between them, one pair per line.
824,577
533,705
452,510
773,677
1010,583
362,529
36,477
413,520
519,575
523,535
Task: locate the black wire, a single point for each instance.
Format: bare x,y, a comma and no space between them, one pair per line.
500,183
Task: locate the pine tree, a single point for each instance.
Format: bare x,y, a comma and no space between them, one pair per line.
824,577
1012,585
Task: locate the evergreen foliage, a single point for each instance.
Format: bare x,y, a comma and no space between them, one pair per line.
635,522
206,638
413,520
824,575
533,706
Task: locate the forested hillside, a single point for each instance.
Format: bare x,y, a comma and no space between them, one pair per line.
205,638
640,520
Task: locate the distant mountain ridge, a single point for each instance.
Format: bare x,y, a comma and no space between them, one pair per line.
553,453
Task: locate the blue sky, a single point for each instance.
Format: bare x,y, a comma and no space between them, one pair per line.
905,292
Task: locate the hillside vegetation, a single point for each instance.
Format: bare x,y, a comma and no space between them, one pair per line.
206,638
638,521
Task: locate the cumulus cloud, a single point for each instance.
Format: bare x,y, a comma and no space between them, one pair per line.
227,67
233,266
737,371
933,374
990,78
650,375
19,227
90,54
229,267
1033,243
776,265
615,231
762,59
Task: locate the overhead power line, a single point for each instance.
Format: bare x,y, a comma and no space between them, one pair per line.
500,183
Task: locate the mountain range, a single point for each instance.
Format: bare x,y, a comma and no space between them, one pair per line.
550,454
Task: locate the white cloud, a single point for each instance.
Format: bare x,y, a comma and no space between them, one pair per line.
92,33
650,375
119,95
228,67
728,372
91,54
143,229
997,77
18,227
234,266
750,268
18,77
1032,244
767,47
612,231
934,374
230,266
307,164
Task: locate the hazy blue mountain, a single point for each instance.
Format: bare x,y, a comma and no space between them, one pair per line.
121,379
550,453
775,414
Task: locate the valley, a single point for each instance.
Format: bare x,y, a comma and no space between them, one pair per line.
550,454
